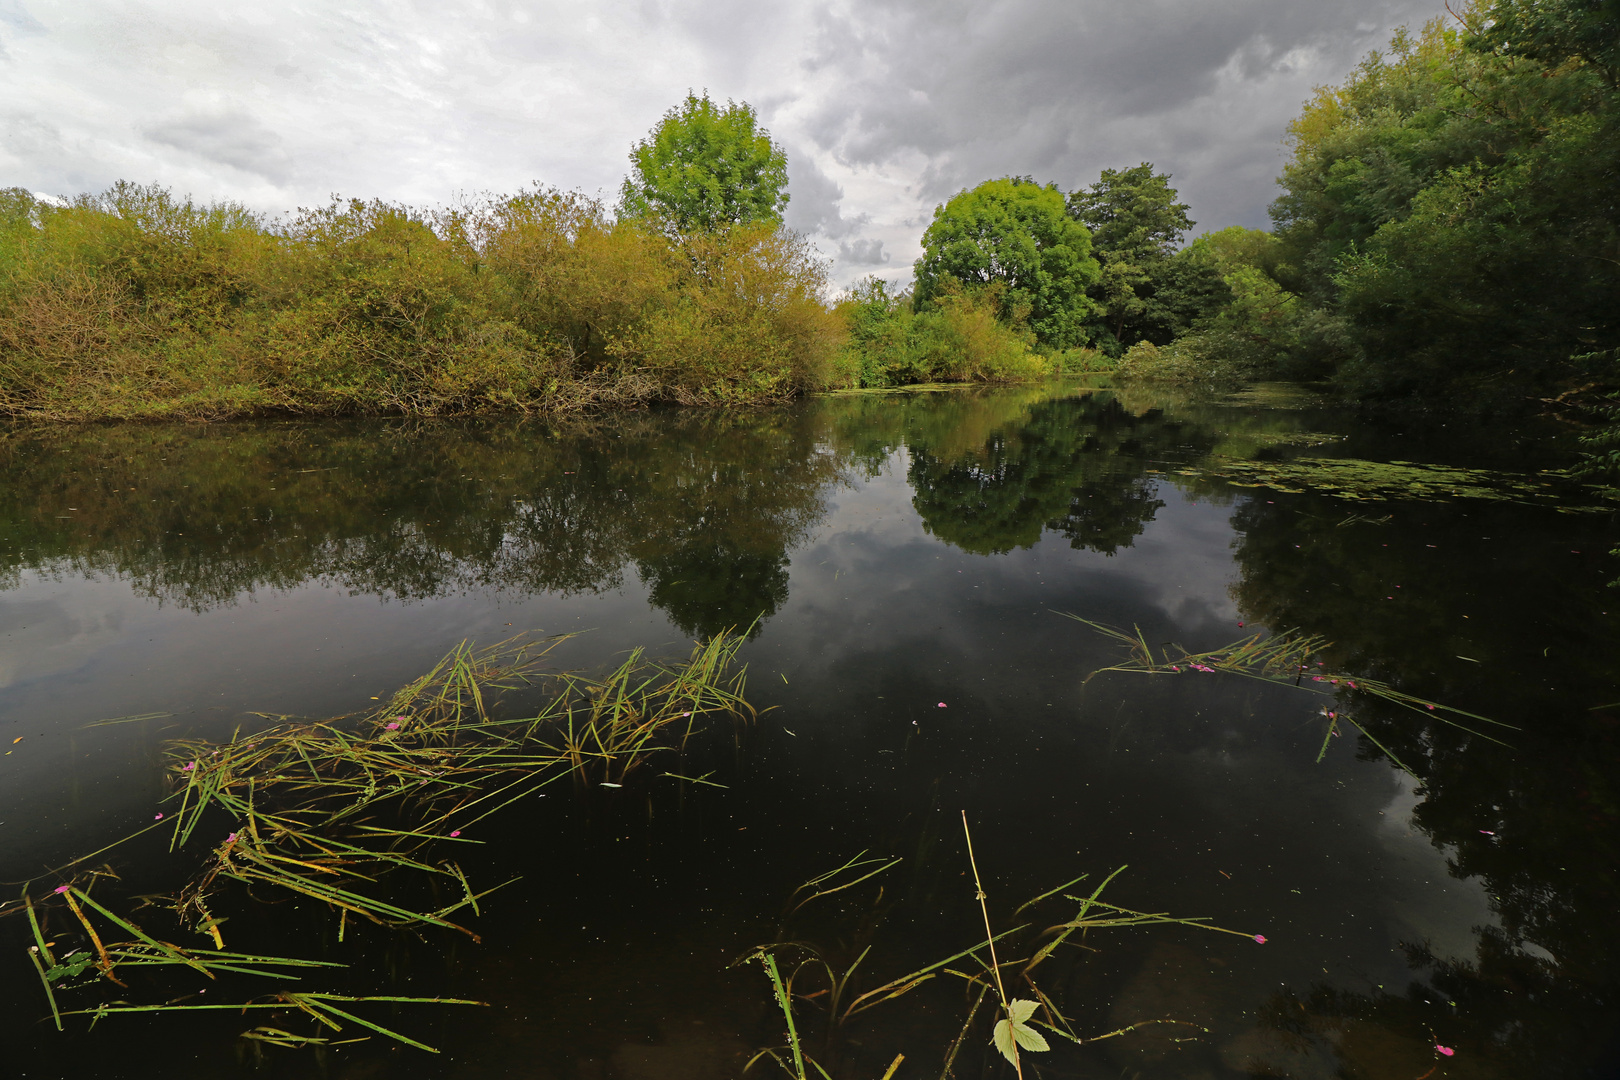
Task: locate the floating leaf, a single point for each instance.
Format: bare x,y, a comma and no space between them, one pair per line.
1014,1030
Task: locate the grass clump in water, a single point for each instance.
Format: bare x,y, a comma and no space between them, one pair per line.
328,810
1289,659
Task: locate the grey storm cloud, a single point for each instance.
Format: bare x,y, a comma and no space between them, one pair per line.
815,201
234,138
862,253
887,107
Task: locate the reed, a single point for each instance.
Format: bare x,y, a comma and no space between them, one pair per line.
1289,658
328,810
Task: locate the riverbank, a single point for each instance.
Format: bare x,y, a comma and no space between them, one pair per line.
137,305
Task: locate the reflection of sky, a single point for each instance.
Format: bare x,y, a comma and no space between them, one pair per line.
1205,786
879,608
1434,907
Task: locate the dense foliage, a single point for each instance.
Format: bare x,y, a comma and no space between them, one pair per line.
1148,290
1014,234
1449,232
134,303
703,167
960,335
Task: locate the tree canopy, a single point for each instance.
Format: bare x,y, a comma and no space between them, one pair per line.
1015,233
1453,205
704,167
1147,291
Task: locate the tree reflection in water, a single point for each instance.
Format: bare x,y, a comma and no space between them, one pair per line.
707,509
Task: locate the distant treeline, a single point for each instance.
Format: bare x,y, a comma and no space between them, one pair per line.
1448,237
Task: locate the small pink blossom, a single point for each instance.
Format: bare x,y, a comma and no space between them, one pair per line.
60,889
686,714
1429,707
455,832
231,839
1446,1050
158,817
393,727
942,705
1487,832
188,766
1261,938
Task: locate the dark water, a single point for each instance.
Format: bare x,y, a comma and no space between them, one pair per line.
901,552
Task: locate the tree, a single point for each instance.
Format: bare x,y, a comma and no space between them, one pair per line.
1452,205
1145,292
1014,232
1554,31
1132,213
704,167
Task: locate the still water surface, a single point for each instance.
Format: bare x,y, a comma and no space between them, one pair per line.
906,558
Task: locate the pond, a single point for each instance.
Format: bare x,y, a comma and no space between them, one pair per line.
901,568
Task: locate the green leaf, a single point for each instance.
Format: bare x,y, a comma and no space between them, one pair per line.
1013,1032
1002,1039
1029,1038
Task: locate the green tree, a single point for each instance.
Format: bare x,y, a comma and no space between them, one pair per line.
1554,31
704,167
1015,233
1452,205
1145,293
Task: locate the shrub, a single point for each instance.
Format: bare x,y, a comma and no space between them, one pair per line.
134,303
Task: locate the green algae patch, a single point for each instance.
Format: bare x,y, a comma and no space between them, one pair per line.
1274,395
1379,481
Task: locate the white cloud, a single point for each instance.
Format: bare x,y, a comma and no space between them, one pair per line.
887,107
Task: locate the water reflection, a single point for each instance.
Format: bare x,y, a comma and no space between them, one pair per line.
996,506
204,517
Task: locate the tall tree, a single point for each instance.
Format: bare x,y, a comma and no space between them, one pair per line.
1015,233
1145,292
704,167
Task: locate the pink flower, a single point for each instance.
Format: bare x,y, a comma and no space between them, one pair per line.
60,889
393,727
1240,626
942,705
401,719
1487,832
1446,1050
188,766
686,714
1261,938
159,817
1430,708
231,839
456,832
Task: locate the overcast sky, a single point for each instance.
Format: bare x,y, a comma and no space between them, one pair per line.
886,107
